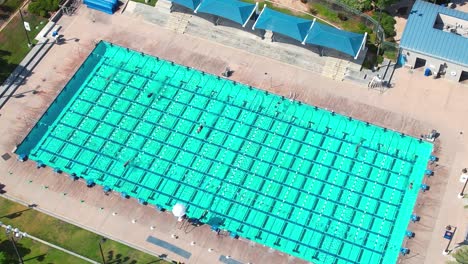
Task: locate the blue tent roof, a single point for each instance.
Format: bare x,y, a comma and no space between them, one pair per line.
330,37
421,36
236,11
192,4
277,22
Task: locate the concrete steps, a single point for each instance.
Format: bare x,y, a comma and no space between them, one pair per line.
178,22
335,68
163,5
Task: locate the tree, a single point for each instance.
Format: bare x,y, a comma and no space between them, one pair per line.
364,5
382,4
461,255
43,7
6,258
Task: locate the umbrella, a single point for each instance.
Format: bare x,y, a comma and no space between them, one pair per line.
179,210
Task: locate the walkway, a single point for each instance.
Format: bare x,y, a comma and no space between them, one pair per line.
333,65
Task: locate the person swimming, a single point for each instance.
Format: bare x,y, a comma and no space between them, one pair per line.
200,128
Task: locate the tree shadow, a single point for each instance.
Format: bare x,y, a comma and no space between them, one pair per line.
117,259
38,258
6,9
12,76
7,248
15,214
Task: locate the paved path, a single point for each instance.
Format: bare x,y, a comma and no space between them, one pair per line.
13,16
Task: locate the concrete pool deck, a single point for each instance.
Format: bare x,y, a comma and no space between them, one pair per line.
414,106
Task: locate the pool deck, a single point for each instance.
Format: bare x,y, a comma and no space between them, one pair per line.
414,106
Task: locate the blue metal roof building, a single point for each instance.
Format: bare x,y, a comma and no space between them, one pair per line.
428,32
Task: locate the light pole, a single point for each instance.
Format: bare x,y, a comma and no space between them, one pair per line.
379,39
13,233
25,31
102,240
462,193
449,235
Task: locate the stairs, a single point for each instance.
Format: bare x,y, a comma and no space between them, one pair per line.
335,68
178,22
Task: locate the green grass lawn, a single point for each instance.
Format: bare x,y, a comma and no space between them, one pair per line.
150,2
13,42
69,236
33,252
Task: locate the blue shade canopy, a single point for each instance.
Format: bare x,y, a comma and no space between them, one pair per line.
192,4
421,36
233,10
283,24
330,37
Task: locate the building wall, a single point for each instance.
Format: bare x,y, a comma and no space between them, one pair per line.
452,71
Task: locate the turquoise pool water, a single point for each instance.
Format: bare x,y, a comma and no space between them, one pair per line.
314,184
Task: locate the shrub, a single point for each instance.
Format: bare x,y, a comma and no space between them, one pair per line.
43,7
359,5
387,22
313,11
342,17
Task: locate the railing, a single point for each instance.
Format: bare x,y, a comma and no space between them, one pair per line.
355,14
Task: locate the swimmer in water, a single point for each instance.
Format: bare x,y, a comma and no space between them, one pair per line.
149,95
199,128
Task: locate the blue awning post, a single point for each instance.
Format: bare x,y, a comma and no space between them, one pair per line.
124,195
40,164
90,183
433,158
141,201
57,170
22,157
308,31
428,172
234,235
159,208
106,189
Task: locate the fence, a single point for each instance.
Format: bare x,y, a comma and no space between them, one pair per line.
354,14
390,49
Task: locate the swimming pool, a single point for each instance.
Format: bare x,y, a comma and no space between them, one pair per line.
311,183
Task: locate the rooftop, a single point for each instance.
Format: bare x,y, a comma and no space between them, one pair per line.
437,31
